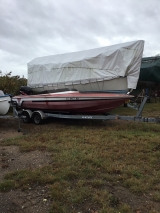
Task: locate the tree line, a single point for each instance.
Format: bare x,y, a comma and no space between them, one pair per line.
11,84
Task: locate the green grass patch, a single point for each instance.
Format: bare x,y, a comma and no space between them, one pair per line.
7,185
88,155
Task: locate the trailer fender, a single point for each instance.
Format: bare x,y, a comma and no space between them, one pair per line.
43,116
26,115
28,111
38,117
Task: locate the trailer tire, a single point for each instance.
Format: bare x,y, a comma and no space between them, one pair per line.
27,118
37,119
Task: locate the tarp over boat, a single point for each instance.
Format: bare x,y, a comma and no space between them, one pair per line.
86,66
150,69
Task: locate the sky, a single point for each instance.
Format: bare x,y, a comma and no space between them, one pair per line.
35,28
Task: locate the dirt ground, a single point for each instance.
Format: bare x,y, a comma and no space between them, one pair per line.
34,199
37,198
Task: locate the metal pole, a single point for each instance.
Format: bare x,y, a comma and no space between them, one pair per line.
139,113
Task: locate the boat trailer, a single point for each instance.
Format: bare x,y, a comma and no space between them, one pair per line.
38,116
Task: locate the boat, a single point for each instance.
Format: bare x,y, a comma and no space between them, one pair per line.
149,79
4,103
72,102
150,70
110,69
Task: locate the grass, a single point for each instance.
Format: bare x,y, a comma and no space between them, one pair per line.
91,156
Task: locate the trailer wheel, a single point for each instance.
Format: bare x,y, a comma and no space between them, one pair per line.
37,119
27,118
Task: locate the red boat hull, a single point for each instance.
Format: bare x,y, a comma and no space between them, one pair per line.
75,103
76,107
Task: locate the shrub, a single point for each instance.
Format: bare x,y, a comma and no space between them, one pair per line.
11,84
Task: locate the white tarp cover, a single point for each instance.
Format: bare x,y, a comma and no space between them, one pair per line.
98,64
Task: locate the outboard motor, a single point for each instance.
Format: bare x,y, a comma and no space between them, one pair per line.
24,90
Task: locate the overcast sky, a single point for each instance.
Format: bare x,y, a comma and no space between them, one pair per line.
34,28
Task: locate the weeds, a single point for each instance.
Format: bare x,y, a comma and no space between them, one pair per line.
87,155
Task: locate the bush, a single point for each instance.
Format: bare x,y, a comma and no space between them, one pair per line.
11,84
